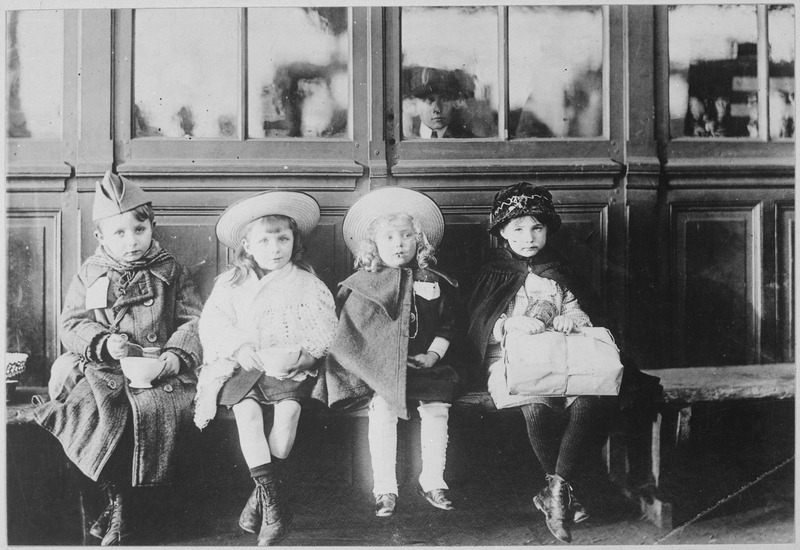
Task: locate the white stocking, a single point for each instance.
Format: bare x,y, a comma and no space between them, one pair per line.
383,446
433,435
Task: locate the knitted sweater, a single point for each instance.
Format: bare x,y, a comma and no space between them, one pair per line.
284,308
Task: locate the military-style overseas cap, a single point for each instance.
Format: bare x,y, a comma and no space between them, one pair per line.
116,195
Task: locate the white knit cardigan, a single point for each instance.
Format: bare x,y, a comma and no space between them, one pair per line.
286,307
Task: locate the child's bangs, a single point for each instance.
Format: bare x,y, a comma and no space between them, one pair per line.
273,223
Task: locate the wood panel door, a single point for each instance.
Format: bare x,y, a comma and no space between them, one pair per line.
716,282
34,288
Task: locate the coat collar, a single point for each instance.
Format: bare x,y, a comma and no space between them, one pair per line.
381,287
164,268
385,286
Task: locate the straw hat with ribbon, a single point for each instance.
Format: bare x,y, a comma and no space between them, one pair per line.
392,200
302,208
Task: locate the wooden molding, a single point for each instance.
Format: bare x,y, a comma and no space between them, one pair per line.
732,167
577,167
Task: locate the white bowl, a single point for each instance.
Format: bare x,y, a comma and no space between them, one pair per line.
277,360
141,371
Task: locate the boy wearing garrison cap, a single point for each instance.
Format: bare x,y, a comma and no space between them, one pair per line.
129,295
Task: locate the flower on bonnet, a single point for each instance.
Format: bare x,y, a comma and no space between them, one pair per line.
523,199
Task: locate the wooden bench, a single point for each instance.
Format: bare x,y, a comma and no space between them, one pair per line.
665,432
670,426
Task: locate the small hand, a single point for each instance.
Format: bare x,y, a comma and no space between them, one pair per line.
304,361
563,324
117,346
520,323
247,357
173,364
423,360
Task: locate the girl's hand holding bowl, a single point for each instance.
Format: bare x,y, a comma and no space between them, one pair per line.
248,358
281,361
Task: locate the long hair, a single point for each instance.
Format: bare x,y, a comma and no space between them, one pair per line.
367,257
237,271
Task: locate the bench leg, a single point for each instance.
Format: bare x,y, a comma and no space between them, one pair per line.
653,503
653,506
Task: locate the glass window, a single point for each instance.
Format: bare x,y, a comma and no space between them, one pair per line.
713,71
194,91
780,20
34,73
449,79
555,66
298,88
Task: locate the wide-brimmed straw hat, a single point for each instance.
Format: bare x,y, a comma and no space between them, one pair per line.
302,208
392,200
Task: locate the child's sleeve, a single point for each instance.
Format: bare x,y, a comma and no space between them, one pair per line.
220,333
185,341
318,319
80,331
571,309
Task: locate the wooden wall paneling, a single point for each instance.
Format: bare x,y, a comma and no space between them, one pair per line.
94,148
645,313
583,240
465,245
188,234
34,288
716,282
785,244
326,250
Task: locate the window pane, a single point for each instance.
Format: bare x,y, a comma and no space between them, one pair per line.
186,71
449,74
713,71
781,71
555,66
34,73
298,87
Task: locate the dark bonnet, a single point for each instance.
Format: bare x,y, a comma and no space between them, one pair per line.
523,199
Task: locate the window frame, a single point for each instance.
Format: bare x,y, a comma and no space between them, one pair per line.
341,159
501,156
718,155
44,164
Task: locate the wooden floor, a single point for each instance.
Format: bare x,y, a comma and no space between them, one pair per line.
489,513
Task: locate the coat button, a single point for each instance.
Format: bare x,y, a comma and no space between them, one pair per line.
152,337
168,388
112,384
148,302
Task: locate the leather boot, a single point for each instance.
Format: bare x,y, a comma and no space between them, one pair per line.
274,526
250,518
99,527
117,526
554,501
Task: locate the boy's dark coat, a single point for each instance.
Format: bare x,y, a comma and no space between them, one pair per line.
164,309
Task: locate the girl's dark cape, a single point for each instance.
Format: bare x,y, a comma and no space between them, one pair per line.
499,280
